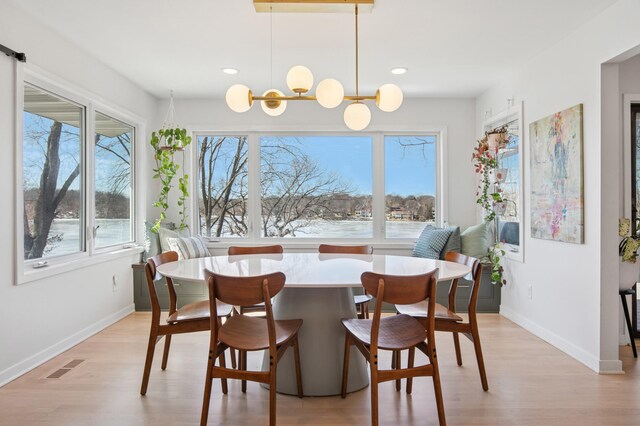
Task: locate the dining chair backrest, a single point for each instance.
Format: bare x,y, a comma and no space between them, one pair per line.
400,289
476,276
151,271
237,250
328,248
246,291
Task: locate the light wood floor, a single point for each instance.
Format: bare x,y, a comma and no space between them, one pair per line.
531,383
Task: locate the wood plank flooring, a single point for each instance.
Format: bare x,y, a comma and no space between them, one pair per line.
531,383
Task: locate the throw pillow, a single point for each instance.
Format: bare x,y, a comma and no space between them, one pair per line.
453,243
188,248
475,241
165,234
431,242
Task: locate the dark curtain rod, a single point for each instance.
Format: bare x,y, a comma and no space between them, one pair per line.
10,52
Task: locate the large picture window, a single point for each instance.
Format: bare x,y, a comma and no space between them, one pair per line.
77,178
314,186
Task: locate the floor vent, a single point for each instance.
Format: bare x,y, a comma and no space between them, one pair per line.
64,370
59,373
74,363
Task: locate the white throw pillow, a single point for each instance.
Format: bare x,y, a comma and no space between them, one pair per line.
165,234
188,248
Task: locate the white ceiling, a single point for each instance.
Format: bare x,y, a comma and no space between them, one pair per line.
455,48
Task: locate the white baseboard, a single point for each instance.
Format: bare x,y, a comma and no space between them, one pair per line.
52,351
597,365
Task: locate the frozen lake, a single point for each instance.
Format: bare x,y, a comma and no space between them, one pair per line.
117,231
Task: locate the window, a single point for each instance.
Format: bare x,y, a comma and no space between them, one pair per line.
113,182
222,186
53,131
410,184
316,186
370,187
77,178
509,223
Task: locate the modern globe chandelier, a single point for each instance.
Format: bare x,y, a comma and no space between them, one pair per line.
329,93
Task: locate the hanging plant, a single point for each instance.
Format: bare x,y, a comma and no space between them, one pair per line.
166,142
489,194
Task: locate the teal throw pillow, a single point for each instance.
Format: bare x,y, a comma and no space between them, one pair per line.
475,241
431,242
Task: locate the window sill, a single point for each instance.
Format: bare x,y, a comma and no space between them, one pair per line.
30,274
310,245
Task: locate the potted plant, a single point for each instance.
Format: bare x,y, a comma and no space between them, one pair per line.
166,142
629,267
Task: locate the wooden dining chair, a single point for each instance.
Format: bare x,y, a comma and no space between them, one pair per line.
239,250
446,318
395,333
247,333
189,318
361,300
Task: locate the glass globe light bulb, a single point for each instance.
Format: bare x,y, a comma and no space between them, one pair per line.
357,116
299,79
389,97
238,98
273,107
329,93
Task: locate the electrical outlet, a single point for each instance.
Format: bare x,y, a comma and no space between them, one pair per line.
114,281
529,291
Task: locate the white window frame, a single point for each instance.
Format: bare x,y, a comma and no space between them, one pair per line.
377,135
25,271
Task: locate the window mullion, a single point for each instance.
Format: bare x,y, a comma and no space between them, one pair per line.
88,179
378,202
253,202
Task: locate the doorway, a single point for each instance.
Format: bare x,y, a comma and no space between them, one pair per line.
635,197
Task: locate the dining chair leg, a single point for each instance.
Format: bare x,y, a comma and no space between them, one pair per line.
223,382
272,396
374,395
243,367
232,355
207,391
456,343
475,337
296,354
398,366
165,353
151,346
360,311
410,361
438,391
345,365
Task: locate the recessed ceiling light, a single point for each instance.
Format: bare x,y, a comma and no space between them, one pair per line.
399,70
230,71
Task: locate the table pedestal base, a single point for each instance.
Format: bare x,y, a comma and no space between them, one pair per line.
321,342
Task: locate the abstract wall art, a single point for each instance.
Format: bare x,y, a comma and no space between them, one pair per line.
557,210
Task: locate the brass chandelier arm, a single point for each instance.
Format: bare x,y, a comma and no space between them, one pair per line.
308,98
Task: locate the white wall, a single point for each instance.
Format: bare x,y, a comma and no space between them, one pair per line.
574,301
457,116
42,318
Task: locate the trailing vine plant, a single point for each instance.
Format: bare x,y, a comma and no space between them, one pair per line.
166,142
485,161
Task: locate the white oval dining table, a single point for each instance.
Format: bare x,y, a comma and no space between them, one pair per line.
319,291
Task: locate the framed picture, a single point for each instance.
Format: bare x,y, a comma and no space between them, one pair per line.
557,194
